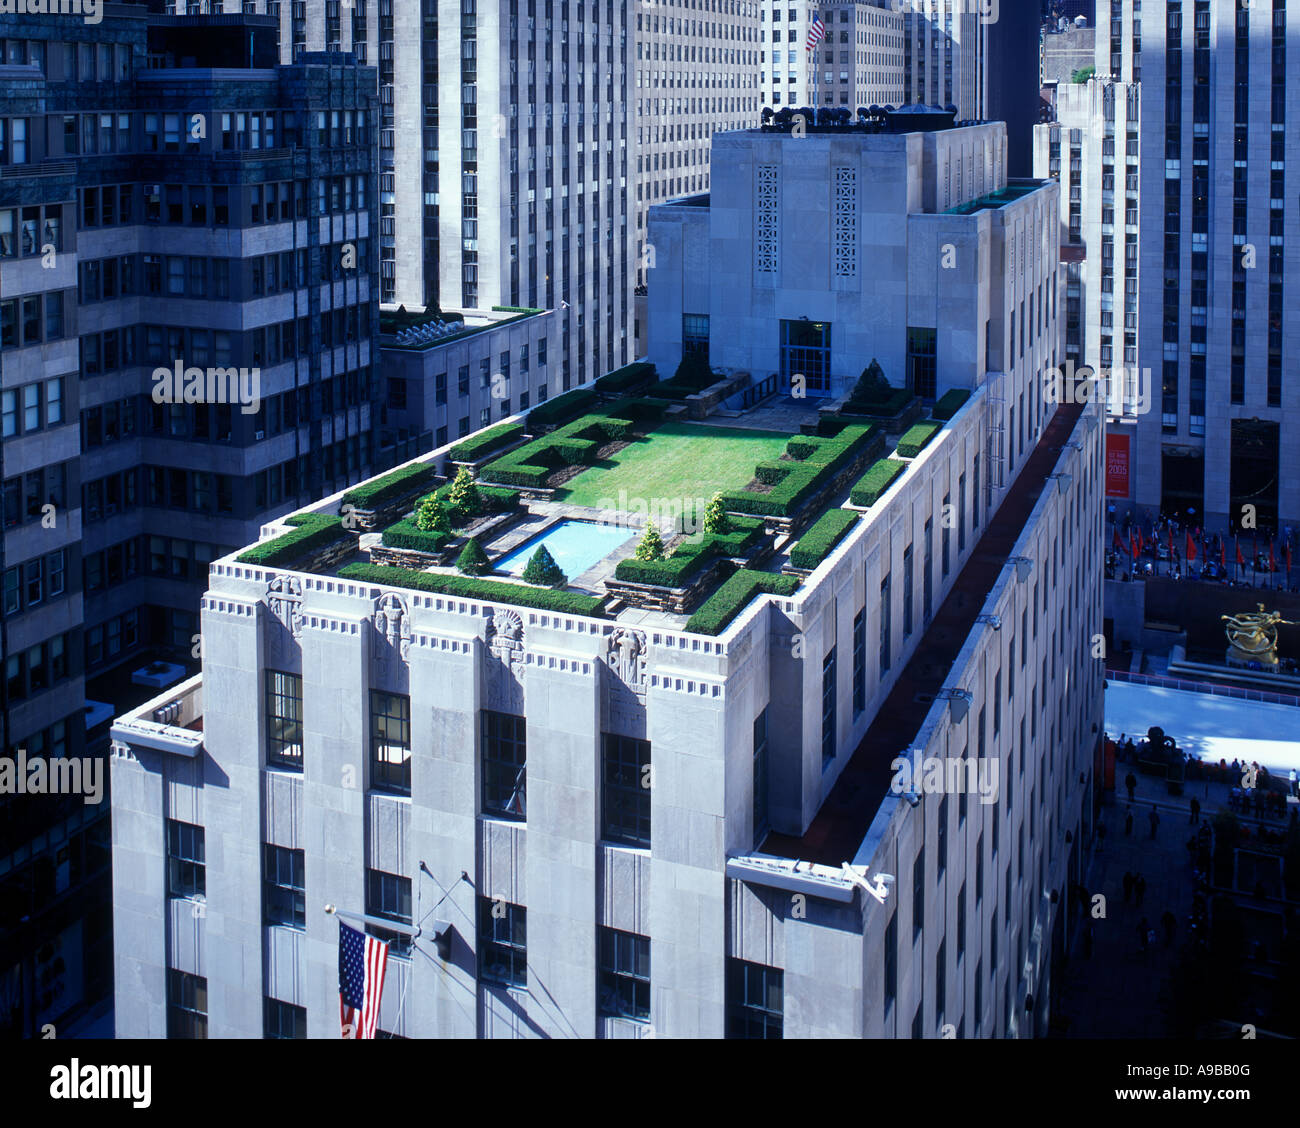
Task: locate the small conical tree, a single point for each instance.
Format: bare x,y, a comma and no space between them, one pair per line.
430,516
872,385
651,545
715,517
473,561
543,570
465,501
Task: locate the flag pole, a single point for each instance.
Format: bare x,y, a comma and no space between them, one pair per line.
378,922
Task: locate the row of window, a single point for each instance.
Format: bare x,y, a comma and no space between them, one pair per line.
35,669
31,320
31,583
26,495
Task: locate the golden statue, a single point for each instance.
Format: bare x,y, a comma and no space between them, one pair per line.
1252,636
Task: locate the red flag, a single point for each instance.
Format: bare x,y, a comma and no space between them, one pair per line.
1240,559
1119,547
1191,549
1272,560
1133,545
1142,544
1223,554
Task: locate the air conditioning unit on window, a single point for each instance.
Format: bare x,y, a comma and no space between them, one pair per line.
259,435
152,191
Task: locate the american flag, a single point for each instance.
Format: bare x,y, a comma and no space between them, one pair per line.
362,960
816,32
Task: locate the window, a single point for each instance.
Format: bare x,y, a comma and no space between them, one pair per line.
755,1000
625,790
859,662
389,896
828,709
806,354
695,335
921,366
624,975
918,893
907,591
186,872
885,616
502,943
891,960
283,888
283,1020
504,751
390,742
187,1005
283,719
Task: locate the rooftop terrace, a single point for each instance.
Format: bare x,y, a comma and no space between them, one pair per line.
579,470
1015,190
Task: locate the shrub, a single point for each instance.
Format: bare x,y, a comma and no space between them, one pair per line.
408,535
651,545
715,517
872,387
881,409
691,556
873,484
430,517
463,500
951,403
801,480
543,570
462,587
770,473
734,596
629,376
563,408
494,498
372,494
473,561
644,408
311,531
476,446
818,542
693,372
912,443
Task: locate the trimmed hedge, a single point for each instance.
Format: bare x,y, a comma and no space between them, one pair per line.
873,484
915,440
368,495
311,531
691,556
734,596
645,408
494,498
464,587
629,376
950,403
574,444
818,542
795,482
884,408
476,446
405,534
563,408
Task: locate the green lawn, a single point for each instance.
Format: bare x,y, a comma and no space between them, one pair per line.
675,463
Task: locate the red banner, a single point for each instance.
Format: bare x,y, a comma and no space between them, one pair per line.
1117,465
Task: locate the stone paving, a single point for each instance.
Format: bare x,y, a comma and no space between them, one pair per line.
1116,992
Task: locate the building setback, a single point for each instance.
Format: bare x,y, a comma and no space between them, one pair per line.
167,199
675,909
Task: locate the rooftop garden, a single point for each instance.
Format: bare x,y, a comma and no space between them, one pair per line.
778,507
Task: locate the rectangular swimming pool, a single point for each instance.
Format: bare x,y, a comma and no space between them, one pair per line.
575,546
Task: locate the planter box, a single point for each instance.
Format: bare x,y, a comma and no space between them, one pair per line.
410,558
894,424
676,601
376,520
476,466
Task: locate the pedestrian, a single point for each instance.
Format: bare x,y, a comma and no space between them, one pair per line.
1171,923
1139,889
1143,929
1128,886
1154,819
1128,823
1131,782
1295,783
1196,810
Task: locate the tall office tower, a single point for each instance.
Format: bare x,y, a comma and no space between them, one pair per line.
1012,52
1094,148
504,155
945,47
621,821
859,62
167,204
697,72
1218,252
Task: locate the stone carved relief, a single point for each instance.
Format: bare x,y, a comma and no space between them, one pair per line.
505,636
626,658
502,683
392,625
284,598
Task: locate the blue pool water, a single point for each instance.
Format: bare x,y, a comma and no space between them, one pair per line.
575,545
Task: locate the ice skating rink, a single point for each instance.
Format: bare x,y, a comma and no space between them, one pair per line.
1206,725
